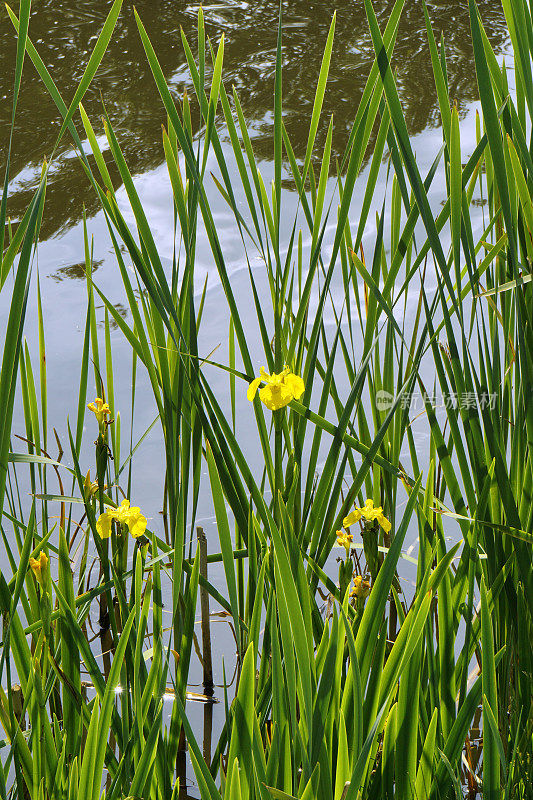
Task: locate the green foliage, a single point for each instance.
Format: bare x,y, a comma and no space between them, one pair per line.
366,697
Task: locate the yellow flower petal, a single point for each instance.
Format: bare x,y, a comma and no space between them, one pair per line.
353,516
267,396
100,409
384,522
371,512
361,588
39,566
276,397
252,389
344,539
103,525
136,522
123,508
295,384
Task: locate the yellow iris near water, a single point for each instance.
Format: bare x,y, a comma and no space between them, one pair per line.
125,514
39,566
280,388
100,410
344,539
370,513
361,588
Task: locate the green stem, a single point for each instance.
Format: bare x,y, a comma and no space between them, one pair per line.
278,462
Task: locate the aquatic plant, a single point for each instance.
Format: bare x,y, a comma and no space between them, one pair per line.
375,693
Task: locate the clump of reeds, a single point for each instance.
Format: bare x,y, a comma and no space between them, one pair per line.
347,686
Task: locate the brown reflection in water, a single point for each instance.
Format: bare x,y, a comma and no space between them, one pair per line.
65,33
74,271
120,308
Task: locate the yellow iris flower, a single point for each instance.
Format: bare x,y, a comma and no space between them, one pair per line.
280,388
370,513
361,588
344,539
100,409
39,566
125,514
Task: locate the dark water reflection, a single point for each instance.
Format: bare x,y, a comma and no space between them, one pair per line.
74,271
65,33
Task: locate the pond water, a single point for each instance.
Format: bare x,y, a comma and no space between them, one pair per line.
65,33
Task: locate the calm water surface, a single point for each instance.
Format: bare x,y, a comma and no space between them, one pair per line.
65,33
